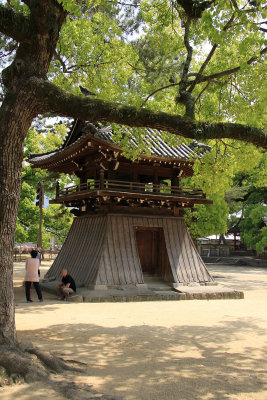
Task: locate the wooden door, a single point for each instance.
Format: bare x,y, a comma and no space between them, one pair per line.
148,244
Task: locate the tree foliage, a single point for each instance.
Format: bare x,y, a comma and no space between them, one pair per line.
248,195
253,228
208,220
56,219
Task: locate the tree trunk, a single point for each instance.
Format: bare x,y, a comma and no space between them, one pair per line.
16,115
38,36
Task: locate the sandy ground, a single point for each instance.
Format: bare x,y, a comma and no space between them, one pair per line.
169,350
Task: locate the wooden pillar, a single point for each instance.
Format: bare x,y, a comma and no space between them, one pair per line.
83,180
175,211
134,177
101,179
155,181
174,182
134,174
111,174
57,189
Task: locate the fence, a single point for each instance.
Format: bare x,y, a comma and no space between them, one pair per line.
47,255
214,251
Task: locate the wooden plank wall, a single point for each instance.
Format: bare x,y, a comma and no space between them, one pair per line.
102,250
82,250
166,270
120,262
186,263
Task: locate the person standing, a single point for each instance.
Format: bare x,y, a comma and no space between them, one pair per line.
39,258
68,286
31,277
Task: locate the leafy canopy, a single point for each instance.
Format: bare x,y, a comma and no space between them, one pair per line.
172,56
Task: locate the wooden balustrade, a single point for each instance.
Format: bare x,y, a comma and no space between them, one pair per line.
133,187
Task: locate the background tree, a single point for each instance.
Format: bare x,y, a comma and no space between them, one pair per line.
249,195
213,49
253,227
56,219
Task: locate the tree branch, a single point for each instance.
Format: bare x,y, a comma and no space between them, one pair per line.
61,62
11,48
136,68
55,100
209,56
194,9
202,91
128,4
234,3
186,98
228,71
158,90
11,24
72,68
189,49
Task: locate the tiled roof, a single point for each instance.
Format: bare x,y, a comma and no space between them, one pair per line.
41,157
151,138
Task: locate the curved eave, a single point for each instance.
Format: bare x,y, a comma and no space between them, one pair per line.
65,159
50,160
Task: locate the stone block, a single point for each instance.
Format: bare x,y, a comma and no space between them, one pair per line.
141,286
97,287
75,299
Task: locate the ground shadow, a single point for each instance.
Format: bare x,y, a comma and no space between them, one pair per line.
154,362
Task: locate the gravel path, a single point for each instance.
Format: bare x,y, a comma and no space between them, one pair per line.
169,350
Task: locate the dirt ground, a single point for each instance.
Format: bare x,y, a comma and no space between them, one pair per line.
169,350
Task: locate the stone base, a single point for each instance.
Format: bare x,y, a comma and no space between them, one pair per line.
177,285
97,287
141,286
144,293
75,299
171,296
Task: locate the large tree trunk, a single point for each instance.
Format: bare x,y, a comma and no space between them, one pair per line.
38,41
18,110
16,115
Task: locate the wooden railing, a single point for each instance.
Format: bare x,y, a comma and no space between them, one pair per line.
132,187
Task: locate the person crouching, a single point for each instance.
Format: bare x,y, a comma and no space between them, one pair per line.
67,287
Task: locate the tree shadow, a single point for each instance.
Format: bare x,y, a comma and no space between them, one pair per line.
155,362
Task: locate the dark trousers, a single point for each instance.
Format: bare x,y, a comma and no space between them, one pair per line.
36,287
